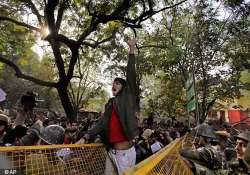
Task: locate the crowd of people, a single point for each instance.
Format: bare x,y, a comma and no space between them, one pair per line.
30,124
30,128
155,135
214,150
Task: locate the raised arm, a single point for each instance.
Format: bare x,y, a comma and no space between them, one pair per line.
131,73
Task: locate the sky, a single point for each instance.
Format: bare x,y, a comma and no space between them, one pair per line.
37,48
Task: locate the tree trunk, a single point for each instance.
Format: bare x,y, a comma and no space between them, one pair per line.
66,103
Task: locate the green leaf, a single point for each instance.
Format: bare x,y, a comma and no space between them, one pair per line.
23,62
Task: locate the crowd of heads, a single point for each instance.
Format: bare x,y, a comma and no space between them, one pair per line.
154,135
30,128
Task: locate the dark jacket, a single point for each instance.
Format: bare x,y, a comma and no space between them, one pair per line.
125,104
31,137
205,156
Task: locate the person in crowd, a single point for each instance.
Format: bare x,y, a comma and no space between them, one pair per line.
150,120
246,159
204,159
50,135
13,135
161,138
4,124
118,126
155,142
239,166
73,132
67,137
28,102
241,144
143,147
168,138
220,145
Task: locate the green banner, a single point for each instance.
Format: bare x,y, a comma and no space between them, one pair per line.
191,105
190,93
189,82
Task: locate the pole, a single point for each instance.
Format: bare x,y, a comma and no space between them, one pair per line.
196,102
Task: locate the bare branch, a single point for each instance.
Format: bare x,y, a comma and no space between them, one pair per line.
58,59
78,92
84,88
9,8
132,25
72,44
71,94
49,14
89,10
19,73
97,43
60,15
143,5
156,46
93,25
4,18
150,3
147,14
79,66
117,14
72,63
169,7
32,6
169,28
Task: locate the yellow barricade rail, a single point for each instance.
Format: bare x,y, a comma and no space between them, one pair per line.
165,162
84,159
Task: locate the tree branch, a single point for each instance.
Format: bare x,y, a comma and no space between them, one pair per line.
60,15
170,28
118,13
19,73
68,42
72,95
4,18
58,59
147,14
78,92
49,14
79,66
93,25
156,46
143,5
150,4
34,10
97,43
168,7
132,25
72,63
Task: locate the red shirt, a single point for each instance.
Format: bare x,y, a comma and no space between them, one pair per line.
66,140
116,133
